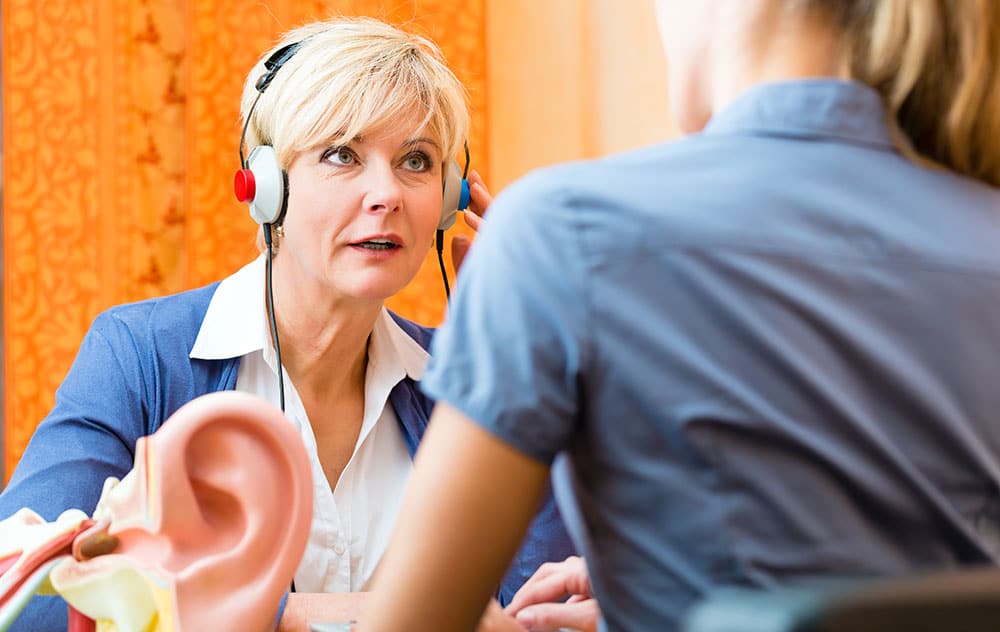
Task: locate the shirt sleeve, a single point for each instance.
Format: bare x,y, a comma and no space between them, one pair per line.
512,351
89,435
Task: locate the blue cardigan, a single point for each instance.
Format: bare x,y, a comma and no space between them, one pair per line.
131,373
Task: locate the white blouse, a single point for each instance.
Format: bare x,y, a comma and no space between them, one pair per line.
351,524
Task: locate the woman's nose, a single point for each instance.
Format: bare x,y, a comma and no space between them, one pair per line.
384,192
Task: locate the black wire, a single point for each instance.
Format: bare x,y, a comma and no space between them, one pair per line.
243,135
272,64
439,246
274,323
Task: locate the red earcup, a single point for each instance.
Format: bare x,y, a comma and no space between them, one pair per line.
245,185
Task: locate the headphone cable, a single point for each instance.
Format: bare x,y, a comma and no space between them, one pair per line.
274,323
272,64
243,137
274,330
439,246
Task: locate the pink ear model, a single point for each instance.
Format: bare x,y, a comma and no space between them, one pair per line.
206,531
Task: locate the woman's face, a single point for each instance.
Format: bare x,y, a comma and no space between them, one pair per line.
362,214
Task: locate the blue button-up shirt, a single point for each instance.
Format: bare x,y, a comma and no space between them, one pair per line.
769,351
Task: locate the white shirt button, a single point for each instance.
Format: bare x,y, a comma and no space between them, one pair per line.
339,548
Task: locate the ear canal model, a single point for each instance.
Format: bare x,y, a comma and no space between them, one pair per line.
206,531
30,548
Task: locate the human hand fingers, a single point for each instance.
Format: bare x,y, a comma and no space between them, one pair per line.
552,582
549,617
480,200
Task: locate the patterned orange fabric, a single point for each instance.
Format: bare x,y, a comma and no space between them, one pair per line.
120,141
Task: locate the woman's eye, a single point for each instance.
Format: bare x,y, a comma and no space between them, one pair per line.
340,156
417,162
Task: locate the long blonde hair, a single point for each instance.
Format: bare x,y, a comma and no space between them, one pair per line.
936,64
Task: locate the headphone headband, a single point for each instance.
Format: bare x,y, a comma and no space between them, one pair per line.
262,183
274,63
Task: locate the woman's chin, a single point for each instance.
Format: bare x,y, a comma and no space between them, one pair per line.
376,290
372,283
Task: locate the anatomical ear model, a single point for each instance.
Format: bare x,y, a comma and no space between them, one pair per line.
205,532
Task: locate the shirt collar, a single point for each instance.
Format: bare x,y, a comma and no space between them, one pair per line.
235,324
390,345
812,108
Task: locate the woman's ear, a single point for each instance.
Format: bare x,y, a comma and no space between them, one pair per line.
211,523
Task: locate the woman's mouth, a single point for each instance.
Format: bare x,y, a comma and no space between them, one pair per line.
376,244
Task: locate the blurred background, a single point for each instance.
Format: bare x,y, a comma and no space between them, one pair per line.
120,131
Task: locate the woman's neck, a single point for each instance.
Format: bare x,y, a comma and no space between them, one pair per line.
776,44
324,340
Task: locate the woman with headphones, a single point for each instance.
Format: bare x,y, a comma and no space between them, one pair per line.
767,352
351,126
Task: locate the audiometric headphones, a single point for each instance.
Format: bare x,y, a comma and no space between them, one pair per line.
263,184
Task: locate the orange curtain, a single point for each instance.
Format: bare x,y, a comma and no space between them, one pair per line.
571,79
120,141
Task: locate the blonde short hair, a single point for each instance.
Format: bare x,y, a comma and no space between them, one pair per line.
350,76
936,64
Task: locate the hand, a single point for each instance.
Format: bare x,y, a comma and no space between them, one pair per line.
496,620
537,606
479,200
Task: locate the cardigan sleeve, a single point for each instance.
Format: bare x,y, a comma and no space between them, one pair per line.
89,435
